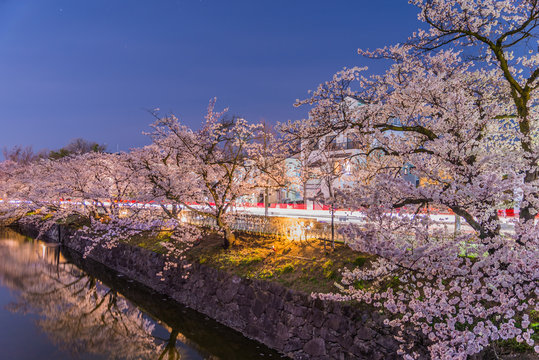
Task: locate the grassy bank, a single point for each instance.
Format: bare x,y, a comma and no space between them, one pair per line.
300,265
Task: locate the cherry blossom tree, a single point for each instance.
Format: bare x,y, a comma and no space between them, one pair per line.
9,185
165,182
206,170
22,188
459,104
91,188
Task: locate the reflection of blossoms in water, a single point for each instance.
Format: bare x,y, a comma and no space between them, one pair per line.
77,312
98,322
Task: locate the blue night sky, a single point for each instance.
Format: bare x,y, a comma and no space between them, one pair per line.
91,68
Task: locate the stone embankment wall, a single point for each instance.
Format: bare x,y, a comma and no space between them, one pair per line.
289,321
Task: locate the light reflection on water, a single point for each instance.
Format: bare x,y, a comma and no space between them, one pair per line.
51,309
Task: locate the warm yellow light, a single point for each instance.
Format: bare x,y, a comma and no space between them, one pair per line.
296,231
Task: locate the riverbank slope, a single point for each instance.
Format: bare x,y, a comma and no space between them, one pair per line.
286,320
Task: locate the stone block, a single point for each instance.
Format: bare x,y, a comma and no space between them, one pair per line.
295,321
315,347
365,333
333,321
292,345
305,332
227,292
318,318
258,308
388,343
282,332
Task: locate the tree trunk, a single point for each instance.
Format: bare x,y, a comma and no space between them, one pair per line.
332,227
521,99
229,238
527,212
484,231
305,194
228,235
266,202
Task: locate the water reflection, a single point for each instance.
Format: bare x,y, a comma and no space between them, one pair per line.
88,311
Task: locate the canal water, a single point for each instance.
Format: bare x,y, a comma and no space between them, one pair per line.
56,305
